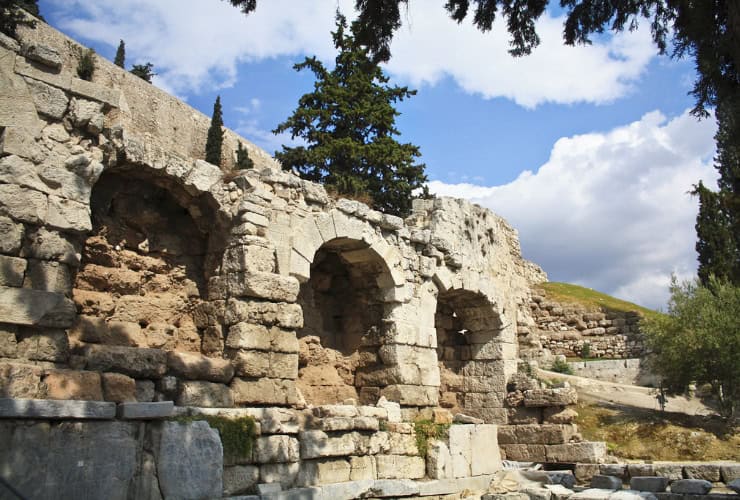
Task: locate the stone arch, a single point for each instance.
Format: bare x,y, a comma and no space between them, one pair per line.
155,243
314,232
345,301
471,354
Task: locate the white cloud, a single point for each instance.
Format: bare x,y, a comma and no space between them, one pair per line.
196,45
611,210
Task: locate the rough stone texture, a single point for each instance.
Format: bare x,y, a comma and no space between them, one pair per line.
708,472
145,411
729,472
276,449
606,482
734,485
691,486
198,367
190,461
21,381
118,387
648,483
207,394
400,467
138,363
239,479
283,473
72,384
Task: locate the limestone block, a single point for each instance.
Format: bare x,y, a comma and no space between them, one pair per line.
276,449
46,244
402,444
249,336
206,394
53,409
263,286
287,316
8,342
12,238
43,345
22,204
525,452
641,470
709,472
318,444
392,408
264,391
190,460
411,395
17,170
461,449
87,115
550,397
315,472
439,461
12,271
669,471
43,74
587,452
652,484
198,367
400,467
285,473
306,237
559,415
333,424
43,54
20,381
485,454
73,384
132,361
494,350
50,101
729,472
362,468
606,482
691,486
594,494
365,423
483,400
145,411
68,215
616,470
118,388
249,258
585,471
251,363
91,90
340,411
239,479
48,275
734,485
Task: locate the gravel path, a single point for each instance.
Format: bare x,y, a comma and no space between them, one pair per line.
628,395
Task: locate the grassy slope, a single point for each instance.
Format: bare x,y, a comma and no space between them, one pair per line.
573,294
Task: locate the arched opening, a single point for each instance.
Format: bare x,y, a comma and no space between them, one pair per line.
469,354
343,311
144,265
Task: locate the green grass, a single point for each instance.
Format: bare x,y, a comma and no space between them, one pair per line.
591,299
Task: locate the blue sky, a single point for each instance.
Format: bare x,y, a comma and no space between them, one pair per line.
589,151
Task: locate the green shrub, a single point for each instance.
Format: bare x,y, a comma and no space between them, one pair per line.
426,430
86,65
237,434
561,366
586,350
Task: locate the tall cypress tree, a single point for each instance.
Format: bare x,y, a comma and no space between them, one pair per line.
715,244
348,122
215,135
120,59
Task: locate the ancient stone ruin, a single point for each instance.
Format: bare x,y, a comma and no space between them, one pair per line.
143,291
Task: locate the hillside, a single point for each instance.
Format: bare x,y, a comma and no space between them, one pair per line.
588,298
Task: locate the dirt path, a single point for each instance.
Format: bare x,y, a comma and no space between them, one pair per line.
627,395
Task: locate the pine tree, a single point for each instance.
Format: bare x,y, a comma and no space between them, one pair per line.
348,122
143,71
120,59
215,135
714,239
243,161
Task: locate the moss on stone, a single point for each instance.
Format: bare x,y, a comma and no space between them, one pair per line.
427,430
237,434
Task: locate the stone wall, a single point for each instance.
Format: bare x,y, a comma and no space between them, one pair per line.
564,328
621,371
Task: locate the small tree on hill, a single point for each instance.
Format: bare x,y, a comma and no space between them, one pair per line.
86,65
215,135
349,123
120,59
243,161
143,71
698,341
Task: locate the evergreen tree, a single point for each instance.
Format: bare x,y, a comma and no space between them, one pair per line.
714,239
215,135
11,16
243,161
120,59
143,71
348,122
86,65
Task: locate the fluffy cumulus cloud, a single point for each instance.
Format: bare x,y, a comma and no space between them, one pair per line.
611,210
197,44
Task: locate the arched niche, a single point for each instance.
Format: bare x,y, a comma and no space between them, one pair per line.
469,352
146,263
344,305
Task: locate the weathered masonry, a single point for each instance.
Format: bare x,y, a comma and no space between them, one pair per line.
134,273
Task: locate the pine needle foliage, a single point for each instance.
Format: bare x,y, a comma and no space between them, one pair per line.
243,161
120,59
348,123
86,65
